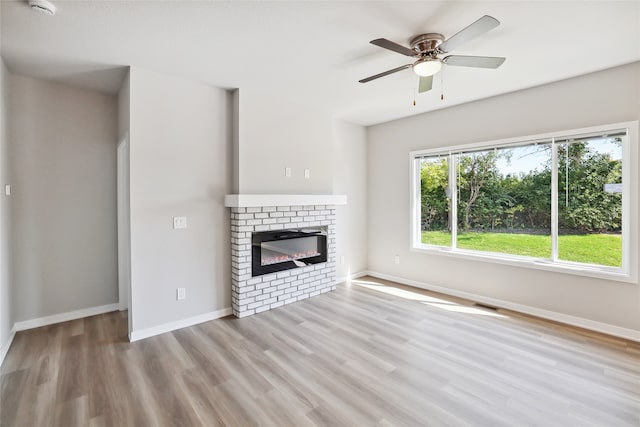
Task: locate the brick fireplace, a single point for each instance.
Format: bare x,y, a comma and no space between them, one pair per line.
293,216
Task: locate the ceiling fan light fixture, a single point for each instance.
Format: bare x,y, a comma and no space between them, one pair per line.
43,6
427,67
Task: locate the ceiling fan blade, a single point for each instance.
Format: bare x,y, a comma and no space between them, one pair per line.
425,84
386,73
388,44
474,61
479,27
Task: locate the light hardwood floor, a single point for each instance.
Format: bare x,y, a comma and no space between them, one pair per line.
364,355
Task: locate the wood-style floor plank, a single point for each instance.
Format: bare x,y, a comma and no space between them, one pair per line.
371,353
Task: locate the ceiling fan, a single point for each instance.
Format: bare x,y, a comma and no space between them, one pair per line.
426,48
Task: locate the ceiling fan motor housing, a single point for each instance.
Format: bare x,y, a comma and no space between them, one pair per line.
426,44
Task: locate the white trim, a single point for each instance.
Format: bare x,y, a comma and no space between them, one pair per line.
352,276
178,324
581,322
64,317
5,348
540,138
124,232
629,193
565,267
415,213
554,198
453,210
255,200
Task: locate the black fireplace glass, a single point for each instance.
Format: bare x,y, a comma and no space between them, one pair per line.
280,250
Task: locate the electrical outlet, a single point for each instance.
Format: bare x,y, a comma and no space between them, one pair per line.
287,172
396,259
181,293
7,190
179,222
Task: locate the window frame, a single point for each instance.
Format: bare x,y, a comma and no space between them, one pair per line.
629,270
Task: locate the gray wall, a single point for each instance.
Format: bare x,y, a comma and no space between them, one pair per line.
182,164
274,134
180,154
63,154
601,98
190,145
6,317
350,178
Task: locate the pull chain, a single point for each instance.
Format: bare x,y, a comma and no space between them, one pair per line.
442,84
414,96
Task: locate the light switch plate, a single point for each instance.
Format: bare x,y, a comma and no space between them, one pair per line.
287,172
307,173
181,293
179,222
7,189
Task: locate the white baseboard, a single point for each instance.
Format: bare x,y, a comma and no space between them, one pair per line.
179,324
581,322
5,348
352,276
64,317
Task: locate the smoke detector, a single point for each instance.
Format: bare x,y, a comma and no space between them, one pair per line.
43,6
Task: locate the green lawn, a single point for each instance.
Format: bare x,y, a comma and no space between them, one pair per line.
601,249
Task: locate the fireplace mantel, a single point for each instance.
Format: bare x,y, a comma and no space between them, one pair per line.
256,200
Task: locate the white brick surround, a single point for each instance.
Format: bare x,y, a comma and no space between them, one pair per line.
251,295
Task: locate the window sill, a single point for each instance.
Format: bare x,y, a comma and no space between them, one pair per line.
614,274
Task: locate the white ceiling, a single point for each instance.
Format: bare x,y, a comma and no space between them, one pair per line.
316,52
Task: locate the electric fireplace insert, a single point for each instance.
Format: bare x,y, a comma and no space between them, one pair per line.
280,250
